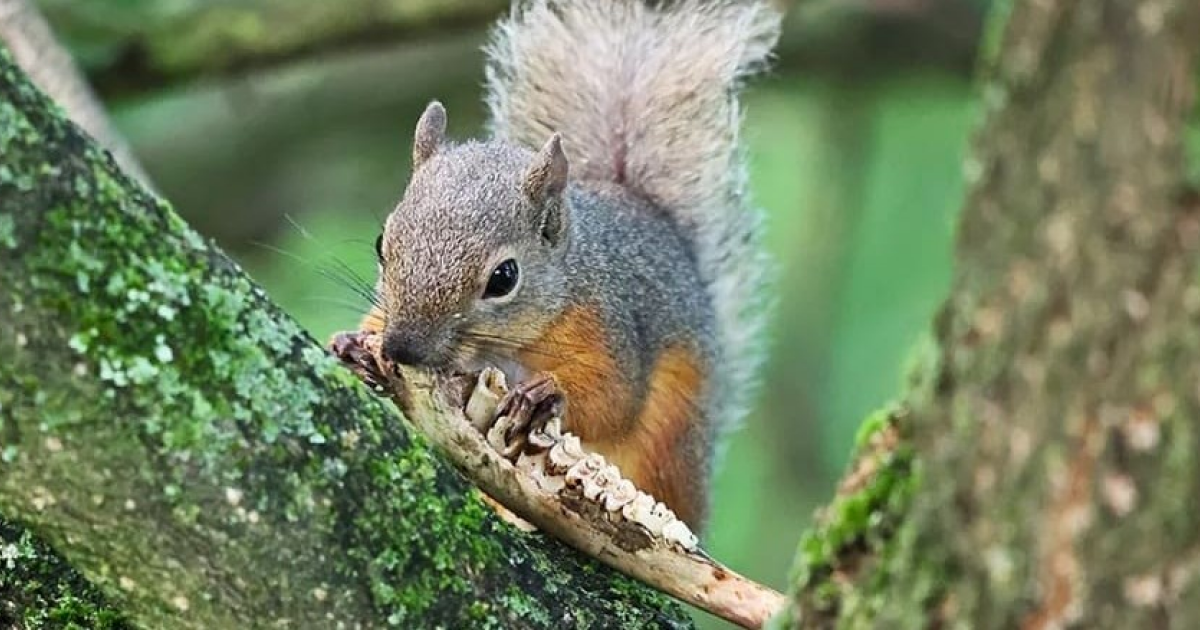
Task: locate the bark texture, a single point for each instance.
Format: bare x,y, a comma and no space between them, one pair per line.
1057,433
203,462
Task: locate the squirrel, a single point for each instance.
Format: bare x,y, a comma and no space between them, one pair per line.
599,247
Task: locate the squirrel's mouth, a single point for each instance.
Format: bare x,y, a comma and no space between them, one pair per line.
451,351
415,347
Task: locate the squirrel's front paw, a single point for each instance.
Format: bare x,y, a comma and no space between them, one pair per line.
349,348
528,406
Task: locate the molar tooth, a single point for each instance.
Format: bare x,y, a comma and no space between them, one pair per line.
584,469
603,479
619,495
608,476
679,533
572,445
657,518
565,454
639,508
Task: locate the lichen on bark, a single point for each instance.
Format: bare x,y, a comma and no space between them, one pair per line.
199,459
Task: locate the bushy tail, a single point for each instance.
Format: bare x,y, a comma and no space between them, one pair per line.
645,95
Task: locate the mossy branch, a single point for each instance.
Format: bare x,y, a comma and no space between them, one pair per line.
200,459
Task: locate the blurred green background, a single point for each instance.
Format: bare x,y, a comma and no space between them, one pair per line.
856,142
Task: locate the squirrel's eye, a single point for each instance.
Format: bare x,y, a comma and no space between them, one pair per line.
379,247
503,280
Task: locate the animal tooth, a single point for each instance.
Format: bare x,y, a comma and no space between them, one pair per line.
584,469
565,454
679,533
603,479
639,508
620,495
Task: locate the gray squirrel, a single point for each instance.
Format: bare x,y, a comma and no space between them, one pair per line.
599,247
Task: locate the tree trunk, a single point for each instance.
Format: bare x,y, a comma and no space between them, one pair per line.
203,462
1057,438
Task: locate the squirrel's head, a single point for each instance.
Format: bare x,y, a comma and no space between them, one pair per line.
469,267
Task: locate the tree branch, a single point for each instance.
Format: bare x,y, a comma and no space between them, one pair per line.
199,458
144,46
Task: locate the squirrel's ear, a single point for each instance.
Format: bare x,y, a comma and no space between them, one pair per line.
431,131
544,184
547,175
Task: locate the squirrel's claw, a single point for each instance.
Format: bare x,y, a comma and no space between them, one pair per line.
349,349
530,404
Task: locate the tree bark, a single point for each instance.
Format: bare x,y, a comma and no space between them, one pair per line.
201,460
1056,438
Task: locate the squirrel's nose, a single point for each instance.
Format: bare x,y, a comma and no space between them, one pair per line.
409,347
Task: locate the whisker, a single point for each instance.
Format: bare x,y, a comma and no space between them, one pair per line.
339,274
347,305
525,342
279,250
367,294
287,216
352,274
483,343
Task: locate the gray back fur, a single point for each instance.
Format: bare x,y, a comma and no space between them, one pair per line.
645,96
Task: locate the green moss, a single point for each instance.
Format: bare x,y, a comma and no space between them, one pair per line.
856,533
8,237
994,25
39,590
871,427
469,532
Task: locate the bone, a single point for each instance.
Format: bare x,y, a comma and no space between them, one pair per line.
556,460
